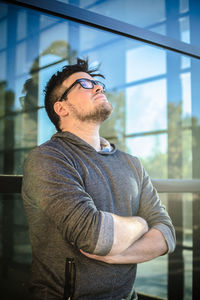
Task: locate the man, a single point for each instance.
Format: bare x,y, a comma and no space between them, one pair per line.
92,210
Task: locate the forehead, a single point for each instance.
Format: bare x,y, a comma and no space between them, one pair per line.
72,78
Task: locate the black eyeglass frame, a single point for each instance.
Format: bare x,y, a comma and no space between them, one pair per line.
80,80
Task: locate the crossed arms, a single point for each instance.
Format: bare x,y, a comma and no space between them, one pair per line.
133,243
53,186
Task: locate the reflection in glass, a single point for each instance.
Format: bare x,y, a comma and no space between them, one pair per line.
146,108
184,6
21,25
184,29
3,29
157,16
187,274
187,220
148,57
152,151
152,276
154,92
15,249
127,11
46,128
156,270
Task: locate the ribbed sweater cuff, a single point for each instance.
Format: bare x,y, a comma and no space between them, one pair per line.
106,235
169,237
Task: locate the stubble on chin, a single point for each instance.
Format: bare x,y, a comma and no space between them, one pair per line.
99,114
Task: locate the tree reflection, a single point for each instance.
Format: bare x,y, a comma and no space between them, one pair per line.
30,102
114,128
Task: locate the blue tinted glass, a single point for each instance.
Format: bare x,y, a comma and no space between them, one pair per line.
154,92
179,19
146,84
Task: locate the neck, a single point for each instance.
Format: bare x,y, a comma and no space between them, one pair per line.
87,132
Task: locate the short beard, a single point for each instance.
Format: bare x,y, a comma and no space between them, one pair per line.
100,114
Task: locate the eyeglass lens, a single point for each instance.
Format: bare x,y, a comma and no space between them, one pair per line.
89,84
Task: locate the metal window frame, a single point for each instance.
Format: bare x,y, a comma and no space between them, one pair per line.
10,184
92,19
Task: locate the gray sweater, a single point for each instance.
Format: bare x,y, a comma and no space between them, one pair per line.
68,190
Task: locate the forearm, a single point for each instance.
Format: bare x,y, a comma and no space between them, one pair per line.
149,246
127,230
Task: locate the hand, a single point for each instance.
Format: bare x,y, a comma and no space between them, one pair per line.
149,246
109,259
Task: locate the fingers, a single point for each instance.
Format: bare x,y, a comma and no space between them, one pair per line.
108,259
93,256
96,257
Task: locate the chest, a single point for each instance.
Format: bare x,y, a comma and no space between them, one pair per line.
112,183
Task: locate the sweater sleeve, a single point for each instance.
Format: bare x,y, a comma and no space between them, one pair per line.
53,185
152,210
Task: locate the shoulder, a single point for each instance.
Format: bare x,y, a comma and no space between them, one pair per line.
134,160
40,151
51,155
52,148
44,154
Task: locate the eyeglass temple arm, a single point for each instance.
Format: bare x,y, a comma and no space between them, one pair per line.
67,91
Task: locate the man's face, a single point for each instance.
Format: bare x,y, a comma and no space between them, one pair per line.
86,104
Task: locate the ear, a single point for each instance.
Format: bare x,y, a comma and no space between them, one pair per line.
61,109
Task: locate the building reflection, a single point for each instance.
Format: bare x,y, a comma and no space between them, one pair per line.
155,95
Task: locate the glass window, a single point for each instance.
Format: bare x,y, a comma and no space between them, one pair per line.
151,89
154,92
177,19
156,271
15,249
152,151
141,99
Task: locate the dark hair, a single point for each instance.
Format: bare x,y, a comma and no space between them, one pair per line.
52,90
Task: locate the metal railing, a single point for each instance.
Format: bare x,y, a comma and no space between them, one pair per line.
177,185
12,184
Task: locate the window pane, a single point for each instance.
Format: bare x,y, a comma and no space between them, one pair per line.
178,19
152,276
150,91
146,107
152,151
15,249
154,92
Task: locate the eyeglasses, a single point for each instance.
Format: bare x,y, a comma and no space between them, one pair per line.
85,83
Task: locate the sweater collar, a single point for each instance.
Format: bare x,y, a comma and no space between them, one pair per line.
106,147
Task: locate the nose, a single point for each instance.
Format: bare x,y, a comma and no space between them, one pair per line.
98,88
